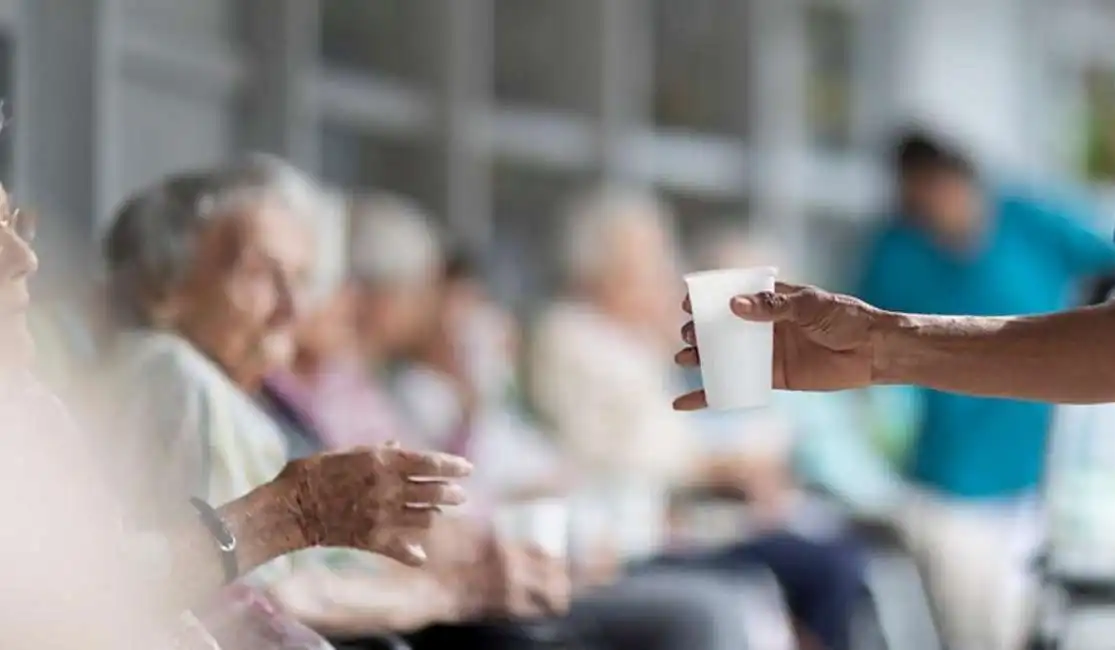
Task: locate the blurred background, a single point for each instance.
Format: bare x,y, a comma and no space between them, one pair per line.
490,111
767,121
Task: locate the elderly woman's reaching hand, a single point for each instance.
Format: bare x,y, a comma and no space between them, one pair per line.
103,583
382,500
207,274
374,499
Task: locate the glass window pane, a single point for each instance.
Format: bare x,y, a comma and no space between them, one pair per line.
361,161
700,65
7,103
395,38
1099,125
528,204
541,54
700,216
204,18
836,246
830,30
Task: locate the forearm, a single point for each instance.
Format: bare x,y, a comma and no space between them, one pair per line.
355,604
264,525
1066,357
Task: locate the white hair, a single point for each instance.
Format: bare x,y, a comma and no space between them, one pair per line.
152,242
734,244
331,262
594,220
393,241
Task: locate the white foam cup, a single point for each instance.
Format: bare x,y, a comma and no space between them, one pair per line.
542,522
736,355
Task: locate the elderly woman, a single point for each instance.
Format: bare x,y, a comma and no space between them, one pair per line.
469,573
206,274
469,362
397,272
77,572
601,375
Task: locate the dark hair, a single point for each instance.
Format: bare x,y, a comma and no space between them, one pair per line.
918,151
461,266
1102,290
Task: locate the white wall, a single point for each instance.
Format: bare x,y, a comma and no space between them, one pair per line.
178,78
961,65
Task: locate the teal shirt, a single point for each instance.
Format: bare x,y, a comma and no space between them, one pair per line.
1030,259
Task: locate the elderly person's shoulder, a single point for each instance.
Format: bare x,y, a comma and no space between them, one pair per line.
163,383
156,357
579,333
570,323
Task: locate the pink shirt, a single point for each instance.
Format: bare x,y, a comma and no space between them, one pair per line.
346,407
349,409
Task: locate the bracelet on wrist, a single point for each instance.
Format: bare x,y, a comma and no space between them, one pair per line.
226,541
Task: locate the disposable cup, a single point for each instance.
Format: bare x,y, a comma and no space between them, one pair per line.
736,355
543,523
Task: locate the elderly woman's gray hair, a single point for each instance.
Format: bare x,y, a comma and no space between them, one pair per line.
735,243
393,241
151,244
593,221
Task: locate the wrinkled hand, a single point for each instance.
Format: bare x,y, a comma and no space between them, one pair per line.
379,499
822,341
495,578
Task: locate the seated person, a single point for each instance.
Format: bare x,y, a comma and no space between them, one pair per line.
601,374
204,271
86,572
396,271
470,364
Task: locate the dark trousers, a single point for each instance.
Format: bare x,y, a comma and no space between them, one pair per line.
519,635
822,580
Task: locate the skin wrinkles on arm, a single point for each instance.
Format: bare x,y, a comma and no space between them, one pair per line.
265,527
368,499
1066,357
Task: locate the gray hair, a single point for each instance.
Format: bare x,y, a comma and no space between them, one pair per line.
332,260
393,241
593,221
733,243
151,243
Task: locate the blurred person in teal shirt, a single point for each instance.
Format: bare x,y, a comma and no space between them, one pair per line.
961,245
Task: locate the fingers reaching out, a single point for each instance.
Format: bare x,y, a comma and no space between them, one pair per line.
379,499
407,552
430,465
433,494
417,517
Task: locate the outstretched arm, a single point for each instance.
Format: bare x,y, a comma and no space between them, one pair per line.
1063,357
264,524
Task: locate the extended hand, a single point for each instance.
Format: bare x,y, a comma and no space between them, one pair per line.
822,341
379,499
